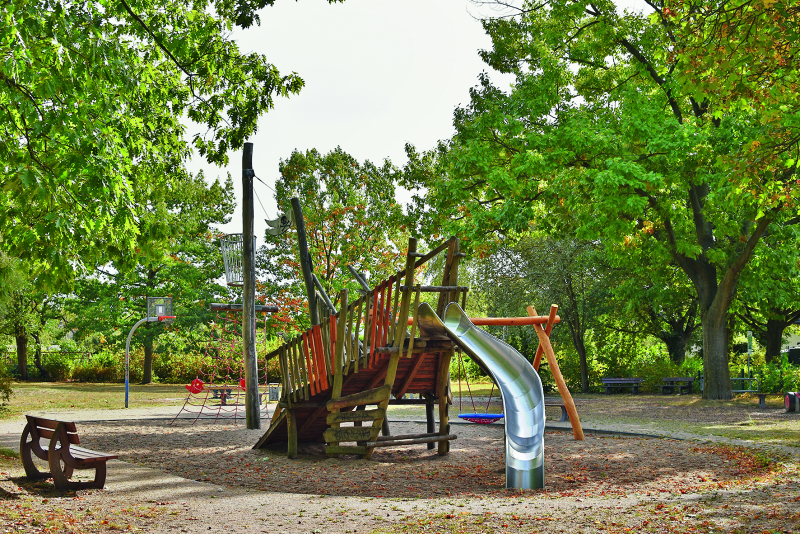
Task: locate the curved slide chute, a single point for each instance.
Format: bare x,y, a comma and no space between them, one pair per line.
523,397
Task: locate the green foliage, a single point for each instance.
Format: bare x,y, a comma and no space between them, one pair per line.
618,126
102,367
58,366
5,387
93,96
351,218
778,377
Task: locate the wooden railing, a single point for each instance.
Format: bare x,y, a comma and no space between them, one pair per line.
373,324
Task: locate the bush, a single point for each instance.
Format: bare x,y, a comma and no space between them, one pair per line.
102,367
58,366
5,388
778,377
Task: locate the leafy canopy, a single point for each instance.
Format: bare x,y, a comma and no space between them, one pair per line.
92,94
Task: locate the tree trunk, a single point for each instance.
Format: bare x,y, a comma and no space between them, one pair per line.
580,347
22,356
147,373
37,358
715,355
676,346
774,339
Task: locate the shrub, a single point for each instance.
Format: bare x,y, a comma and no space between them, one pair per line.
5,388
102,367
778,377
58,366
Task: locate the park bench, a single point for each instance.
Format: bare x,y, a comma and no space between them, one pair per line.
633,383
743,388
556,402
62,453
683,383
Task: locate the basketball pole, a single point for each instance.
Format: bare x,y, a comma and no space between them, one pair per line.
251,400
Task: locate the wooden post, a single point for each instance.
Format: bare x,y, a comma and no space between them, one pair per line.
251,400
394,359
569,404
305,261
551,319
441,393
291,431
431,423
338,357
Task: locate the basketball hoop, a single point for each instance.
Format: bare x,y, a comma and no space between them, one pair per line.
232,248
158,307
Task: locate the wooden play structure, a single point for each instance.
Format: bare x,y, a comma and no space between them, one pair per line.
372,353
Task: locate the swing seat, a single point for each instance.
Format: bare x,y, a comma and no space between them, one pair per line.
481,418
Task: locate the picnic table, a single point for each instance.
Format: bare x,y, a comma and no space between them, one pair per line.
633,383
683,383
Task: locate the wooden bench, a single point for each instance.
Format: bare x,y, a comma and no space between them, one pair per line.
633,383
62,454
683,383
557,402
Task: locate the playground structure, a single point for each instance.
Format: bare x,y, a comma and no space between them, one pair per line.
218,391
365,355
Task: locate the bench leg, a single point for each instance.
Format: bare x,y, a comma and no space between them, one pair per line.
564,414
63,472
26,455
762,401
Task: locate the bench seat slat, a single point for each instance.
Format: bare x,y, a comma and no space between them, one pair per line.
79,453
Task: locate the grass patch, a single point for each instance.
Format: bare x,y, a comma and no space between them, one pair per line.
53,397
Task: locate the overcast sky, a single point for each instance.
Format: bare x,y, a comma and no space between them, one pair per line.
378,75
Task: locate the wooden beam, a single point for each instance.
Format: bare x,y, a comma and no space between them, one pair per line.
441,392
569,404
551,320
410,376
350,433
345,449
391,442
370,396
355,416
312,418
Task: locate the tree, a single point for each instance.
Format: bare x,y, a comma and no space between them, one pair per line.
657,300
769,300
92,95
351,218
116,296
546,270
604,123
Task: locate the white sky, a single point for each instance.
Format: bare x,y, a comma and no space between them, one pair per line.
378,74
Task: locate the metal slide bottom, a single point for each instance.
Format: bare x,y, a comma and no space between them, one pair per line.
519,383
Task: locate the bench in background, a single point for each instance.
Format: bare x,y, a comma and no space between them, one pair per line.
633,383
683,383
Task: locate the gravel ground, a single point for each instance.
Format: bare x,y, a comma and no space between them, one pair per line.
205,477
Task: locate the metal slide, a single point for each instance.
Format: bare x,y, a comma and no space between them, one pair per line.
523,398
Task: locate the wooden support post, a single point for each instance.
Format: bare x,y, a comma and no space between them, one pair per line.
291,431
569,404
551,319
305,261
338,359
431,423
441,392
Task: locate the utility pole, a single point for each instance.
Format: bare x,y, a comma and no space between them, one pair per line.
251,400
